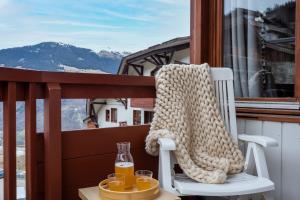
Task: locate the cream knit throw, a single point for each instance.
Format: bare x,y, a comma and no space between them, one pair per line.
186,111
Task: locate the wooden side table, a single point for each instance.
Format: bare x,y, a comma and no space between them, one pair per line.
92,193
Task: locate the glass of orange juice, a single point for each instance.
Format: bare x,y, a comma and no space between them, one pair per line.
143,179
116,182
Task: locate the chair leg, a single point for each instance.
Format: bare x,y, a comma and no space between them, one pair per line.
268,196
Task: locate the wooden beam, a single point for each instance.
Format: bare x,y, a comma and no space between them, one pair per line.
159,59
199,31
21,76
170,57
155,69
155,60
206,32
138,68
52,142
9,137
150,61
159,51
215,33
31,142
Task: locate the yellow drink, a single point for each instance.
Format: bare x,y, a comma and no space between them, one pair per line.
143,182
126,168
116,185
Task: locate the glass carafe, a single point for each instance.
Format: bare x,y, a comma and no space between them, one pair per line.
124,163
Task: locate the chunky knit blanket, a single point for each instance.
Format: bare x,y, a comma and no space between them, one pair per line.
186,111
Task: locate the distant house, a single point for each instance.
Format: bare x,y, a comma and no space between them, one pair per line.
123,112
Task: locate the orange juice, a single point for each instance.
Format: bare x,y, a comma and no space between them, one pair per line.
116,185
143,182
126,168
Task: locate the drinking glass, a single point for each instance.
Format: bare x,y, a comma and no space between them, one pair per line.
143,179
116,182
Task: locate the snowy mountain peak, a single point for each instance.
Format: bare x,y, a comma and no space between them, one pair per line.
50,56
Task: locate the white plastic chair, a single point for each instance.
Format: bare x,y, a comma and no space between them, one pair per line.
240,185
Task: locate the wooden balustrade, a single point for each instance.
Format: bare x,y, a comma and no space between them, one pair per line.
59,162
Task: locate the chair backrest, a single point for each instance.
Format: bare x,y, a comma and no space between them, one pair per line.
223,83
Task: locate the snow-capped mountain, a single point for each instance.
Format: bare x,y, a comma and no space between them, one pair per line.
53,56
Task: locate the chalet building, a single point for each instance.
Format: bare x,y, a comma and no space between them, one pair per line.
258,40
136,111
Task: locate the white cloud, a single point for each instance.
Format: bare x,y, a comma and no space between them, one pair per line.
76,23
173,2
145,18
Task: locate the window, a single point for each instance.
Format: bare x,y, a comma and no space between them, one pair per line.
148,116
259,45
136,117
107,115
114,114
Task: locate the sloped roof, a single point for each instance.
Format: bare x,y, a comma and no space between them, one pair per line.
181,42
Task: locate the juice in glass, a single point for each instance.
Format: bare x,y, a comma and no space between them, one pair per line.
116,182
143,182
126,168
143,179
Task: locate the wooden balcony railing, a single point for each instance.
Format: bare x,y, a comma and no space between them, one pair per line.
59,162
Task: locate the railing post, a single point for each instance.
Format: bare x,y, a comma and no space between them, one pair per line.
30,142
52,142
9,137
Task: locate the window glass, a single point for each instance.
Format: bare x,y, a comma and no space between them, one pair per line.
136,117
107,115
114,115
259,45
148,116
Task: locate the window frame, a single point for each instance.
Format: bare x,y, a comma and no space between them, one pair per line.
206,29
207,46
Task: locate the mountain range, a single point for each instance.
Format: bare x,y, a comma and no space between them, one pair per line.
54,56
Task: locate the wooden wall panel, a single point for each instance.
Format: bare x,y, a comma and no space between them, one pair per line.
241,126
290,161
142,102
89,171
273,154
88,156
91,142
283,161
253,127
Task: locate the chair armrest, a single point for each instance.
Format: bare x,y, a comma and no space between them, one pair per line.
258,139
167,144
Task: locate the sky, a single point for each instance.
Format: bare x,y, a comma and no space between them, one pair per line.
116,25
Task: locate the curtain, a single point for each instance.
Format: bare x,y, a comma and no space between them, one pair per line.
241,48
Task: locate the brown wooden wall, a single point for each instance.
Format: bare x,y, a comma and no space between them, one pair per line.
88,156
142,103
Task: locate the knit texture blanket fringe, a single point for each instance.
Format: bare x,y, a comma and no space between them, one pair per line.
186,111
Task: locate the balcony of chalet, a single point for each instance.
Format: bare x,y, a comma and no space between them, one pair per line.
58,162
